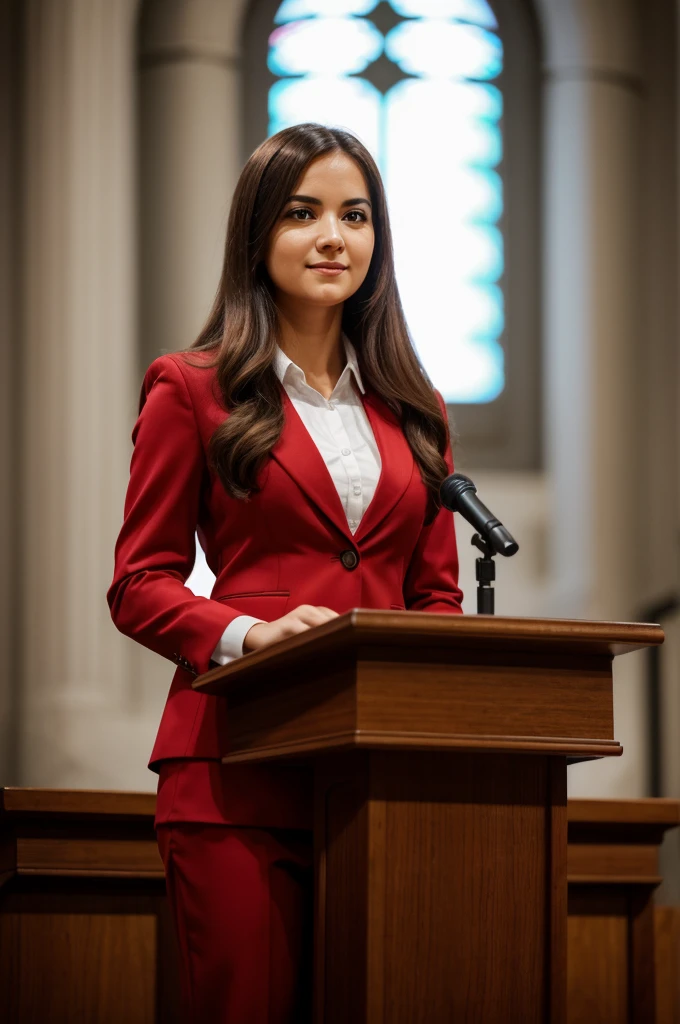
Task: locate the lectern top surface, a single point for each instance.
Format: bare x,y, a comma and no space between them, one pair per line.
368,632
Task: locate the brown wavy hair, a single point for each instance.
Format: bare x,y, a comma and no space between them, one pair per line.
242,326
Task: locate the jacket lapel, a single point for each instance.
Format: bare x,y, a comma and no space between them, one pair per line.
397,464
297,453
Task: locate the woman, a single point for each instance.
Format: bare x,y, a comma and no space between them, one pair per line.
301,438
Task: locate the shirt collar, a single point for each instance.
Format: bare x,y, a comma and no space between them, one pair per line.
284,365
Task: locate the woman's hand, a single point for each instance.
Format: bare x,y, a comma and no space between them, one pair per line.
301,618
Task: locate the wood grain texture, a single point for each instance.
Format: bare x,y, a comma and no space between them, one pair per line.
482,695
667,963
408,630
294,749
93,803
613,871
641,980
558,892
475,700
608,862
442,894
83,833
85,933
439,746
658,811
92,968
122,858
597,962
395,847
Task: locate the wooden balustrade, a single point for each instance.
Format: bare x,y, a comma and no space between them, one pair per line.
613,870
85,933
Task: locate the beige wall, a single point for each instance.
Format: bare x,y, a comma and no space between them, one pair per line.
146,157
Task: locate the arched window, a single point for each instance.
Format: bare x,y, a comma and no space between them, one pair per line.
444,95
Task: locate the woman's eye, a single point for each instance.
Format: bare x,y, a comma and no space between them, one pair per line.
305,209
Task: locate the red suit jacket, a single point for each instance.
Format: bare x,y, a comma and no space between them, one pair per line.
281,549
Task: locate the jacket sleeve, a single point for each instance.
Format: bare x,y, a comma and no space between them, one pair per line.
156,546
431,581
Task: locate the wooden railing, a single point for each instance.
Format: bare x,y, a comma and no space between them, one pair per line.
85,933
623,955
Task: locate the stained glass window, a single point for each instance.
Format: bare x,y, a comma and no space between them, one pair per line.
416,80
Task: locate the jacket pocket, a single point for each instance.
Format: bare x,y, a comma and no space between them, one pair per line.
262,604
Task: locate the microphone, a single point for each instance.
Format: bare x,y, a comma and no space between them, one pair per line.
459,494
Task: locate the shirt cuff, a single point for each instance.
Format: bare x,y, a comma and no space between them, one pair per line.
230,644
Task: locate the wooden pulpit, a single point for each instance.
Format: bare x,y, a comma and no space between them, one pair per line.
439,746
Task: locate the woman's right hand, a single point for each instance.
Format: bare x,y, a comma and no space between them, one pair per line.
301,618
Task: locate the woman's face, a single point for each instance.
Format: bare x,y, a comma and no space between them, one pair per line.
327,219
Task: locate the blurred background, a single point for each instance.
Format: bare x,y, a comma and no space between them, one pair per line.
530,154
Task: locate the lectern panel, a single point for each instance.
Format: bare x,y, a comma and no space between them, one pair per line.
525,696
445,700
416,848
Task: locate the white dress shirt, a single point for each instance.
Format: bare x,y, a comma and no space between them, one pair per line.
343,434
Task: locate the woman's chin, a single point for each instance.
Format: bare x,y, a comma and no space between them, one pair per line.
324,296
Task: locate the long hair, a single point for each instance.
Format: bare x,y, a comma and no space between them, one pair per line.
242,325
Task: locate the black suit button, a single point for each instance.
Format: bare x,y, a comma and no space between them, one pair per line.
349,559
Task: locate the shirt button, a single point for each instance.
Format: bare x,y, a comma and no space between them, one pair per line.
349,559
357,490
346,451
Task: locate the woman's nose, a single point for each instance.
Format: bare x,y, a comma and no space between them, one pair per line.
330,234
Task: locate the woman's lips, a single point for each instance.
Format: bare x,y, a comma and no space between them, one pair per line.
329,271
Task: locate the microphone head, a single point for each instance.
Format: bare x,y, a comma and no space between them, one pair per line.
458,494
452,487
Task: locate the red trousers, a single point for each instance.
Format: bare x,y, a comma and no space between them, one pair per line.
241,900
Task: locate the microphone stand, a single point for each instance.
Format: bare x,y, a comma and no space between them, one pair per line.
485,574
459,494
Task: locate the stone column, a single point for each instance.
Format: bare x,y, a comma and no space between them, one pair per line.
189,159
593,120
10,354
91,698
79,390
189,162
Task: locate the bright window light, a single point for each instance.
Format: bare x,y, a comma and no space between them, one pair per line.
436,136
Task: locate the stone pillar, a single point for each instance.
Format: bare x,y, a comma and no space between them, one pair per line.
79,390
90,698
189,159
189,162
593,120
10,355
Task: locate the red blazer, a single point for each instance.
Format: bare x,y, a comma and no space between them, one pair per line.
281,549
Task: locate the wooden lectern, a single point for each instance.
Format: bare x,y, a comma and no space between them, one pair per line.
439,745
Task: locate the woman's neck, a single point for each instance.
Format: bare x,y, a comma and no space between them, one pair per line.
314,343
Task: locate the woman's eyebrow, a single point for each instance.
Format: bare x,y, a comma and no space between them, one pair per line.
312,199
